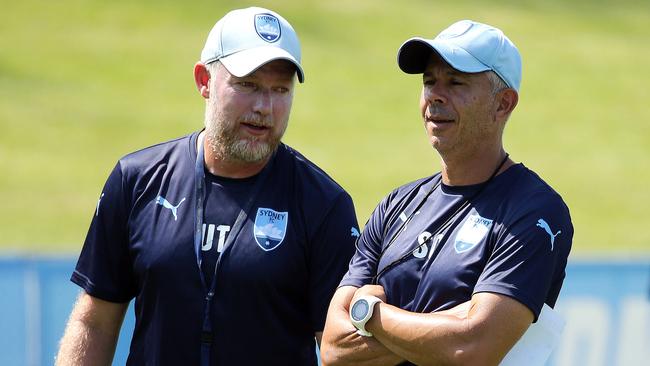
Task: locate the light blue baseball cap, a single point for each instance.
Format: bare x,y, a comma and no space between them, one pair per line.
467,46
246,39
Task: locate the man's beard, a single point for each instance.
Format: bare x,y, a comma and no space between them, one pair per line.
223,139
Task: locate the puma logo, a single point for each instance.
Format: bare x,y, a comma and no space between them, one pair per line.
544,225
354,232
164,203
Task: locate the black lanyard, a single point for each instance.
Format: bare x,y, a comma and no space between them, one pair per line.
199,190
444,226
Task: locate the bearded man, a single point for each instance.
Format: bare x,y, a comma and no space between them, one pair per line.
231,242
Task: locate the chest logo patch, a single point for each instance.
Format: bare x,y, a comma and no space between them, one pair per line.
471,233
270,228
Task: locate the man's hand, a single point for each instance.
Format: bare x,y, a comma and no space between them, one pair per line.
369,290
341,344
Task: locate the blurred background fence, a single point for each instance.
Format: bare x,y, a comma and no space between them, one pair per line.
605,304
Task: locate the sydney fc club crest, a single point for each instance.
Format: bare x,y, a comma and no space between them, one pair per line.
268,27
471,233
270,228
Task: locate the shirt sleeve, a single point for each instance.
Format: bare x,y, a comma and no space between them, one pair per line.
332,248
104,269
363,266
530,256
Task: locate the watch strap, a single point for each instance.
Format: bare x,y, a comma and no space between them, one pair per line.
361,324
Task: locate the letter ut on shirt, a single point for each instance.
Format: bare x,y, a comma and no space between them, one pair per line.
208,237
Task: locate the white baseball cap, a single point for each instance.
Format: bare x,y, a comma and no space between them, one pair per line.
246,39
467,46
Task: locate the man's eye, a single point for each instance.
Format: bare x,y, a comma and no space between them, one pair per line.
247,85
456,82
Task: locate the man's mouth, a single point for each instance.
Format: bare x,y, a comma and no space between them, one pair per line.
438,120
255,126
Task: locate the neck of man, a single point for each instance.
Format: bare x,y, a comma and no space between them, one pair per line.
228,168
473,168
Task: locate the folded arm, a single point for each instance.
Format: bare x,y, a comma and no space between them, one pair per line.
483,336
341,345
478,332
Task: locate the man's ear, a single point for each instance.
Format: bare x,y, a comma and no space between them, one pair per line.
507,101
202,79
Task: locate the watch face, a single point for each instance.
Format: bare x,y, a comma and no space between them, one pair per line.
359,310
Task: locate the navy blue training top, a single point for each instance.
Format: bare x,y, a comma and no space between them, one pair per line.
274,282
513,239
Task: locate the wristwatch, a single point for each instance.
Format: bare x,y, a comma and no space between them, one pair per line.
361,311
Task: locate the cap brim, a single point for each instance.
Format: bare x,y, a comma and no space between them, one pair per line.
413,56
243,63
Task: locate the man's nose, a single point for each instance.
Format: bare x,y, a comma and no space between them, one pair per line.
435,94
263,102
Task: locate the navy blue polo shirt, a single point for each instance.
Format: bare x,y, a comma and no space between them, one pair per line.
273,284
513,238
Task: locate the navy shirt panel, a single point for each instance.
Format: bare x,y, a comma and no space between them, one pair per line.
108,226
537,237
225,198
273,283
384,224
500,242
325,259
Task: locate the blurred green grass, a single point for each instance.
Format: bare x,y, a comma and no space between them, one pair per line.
84,82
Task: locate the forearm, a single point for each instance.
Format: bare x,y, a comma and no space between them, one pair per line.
341,345
477,333
84,345
91,334
423,339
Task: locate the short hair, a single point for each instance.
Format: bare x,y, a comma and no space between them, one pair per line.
497,83
213,67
